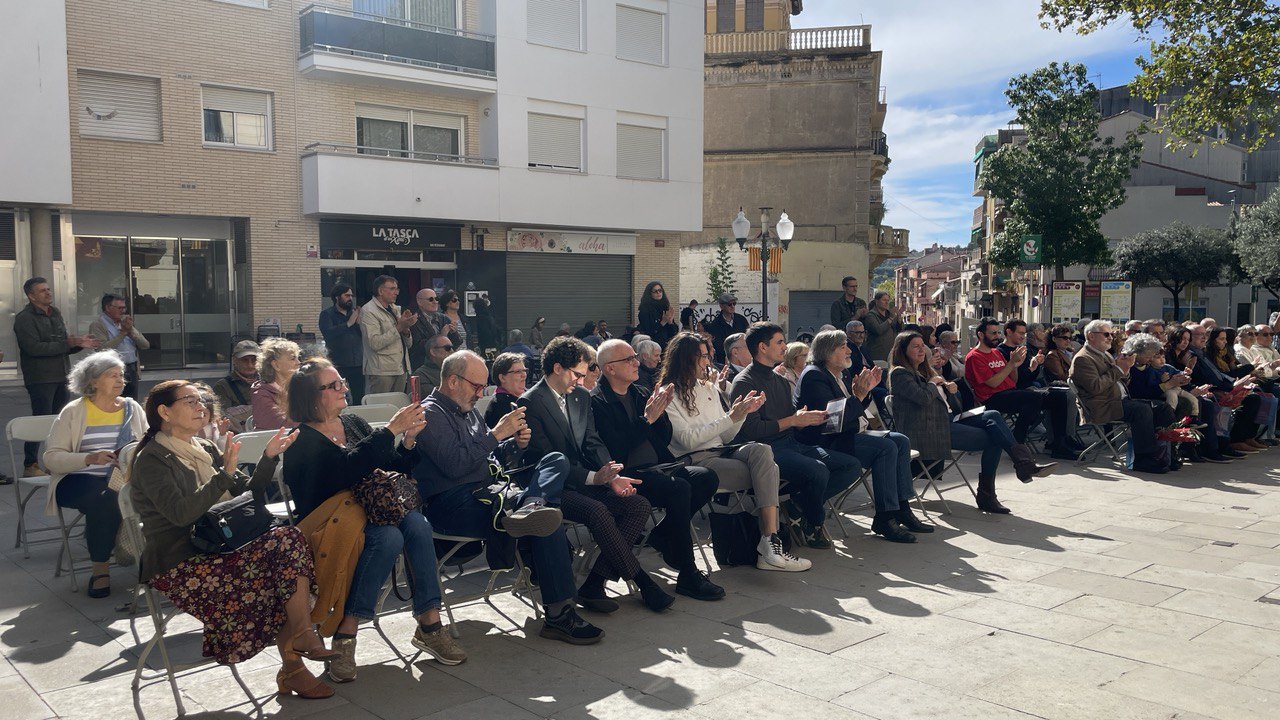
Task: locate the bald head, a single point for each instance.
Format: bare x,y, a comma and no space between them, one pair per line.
427,300
611,350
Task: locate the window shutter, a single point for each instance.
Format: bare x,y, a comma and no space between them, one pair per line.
641,35
725,20
374,112
555,141
755,15
556,22
241,101
640,152
440,120
118,106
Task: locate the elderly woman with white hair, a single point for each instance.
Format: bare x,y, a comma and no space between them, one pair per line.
650,353
277,363
81,451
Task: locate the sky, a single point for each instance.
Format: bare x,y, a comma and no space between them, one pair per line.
946,65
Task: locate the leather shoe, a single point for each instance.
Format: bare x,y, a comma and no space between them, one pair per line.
1215,458
1064,454
1147,465
886,526
696,584
598,604
1229,453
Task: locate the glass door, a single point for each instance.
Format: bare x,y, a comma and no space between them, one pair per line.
181,300
206,295
157,299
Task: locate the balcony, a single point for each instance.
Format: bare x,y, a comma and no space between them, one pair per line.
800,41
889,242
340,44
340,179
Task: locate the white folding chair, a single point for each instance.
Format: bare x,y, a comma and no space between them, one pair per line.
372,413
398,399
35,428
252,445
160,617
1113,435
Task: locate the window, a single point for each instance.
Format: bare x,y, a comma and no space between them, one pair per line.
555,142
418,134
725,21
556,22
237,118
642,35
755,15
440,13
124,107
640,152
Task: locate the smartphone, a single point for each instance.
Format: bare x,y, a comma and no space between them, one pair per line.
415,389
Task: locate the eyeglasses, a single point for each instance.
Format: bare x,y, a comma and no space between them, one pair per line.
514,372
1248,334
732,304
190,400
1265,334
593,367
477,387
577,376
629,358
444,347
1061,337
656,291
339,384
1103,334
859,332
431,299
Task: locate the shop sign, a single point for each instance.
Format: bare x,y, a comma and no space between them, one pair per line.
1068,301
578,243
388,235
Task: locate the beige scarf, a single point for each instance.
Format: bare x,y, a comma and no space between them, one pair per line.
191,455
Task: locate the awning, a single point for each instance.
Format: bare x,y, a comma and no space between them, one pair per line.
938,293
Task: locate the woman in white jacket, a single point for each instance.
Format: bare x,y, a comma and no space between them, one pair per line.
700,424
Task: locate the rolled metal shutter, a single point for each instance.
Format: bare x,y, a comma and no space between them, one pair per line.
118,106
568,288
808,310
556,22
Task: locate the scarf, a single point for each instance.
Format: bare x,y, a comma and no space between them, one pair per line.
191,455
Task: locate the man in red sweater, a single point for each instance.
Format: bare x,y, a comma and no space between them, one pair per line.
995,381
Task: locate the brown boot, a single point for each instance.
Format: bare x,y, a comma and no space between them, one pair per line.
987,500
1025,465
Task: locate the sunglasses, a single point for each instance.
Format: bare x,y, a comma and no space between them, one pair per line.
431,299
1103,334
444,347
593,367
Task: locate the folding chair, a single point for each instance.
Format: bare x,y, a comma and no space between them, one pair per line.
372,413
931,479
35,428
160,617
252,445
398,399
1113,435
835,504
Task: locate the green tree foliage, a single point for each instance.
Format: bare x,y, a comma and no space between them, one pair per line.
1061,181
720,277
888,285
1225,57
1257,244
1174,257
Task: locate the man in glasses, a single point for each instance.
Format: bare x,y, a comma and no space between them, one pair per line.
384,328
429,372
725,323
848,306
340,325
430,323
1102,384
455,463
633,423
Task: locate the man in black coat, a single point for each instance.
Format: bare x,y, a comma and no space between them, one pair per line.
725,323
634,426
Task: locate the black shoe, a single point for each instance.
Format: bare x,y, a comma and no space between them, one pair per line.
1147,465
696,584
1232,453
653,596
988,502
101,592
5,479
1065,454
1264,441
597,604
1076,445
816,537
886,526
1215,458
571,628
909,521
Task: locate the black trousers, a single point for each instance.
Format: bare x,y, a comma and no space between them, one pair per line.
1245,427
681,494
130,380
1030,406
1144,416
46,399
101,507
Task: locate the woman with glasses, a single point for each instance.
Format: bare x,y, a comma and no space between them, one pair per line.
277,362
332,454
1057,357
656,314
509,374
248,598
451,307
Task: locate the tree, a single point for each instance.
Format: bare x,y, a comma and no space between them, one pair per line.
1061,181
1257,245
1221,58
1174,257
888,285
720,277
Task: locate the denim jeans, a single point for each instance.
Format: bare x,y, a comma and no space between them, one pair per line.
987,432
813,474
89,494
382,545
889,458
456,511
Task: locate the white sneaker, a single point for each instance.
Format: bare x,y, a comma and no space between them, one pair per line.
773,557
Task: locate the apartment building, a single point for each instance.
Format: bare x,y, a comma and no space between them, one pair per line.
232,160
794,120
922,283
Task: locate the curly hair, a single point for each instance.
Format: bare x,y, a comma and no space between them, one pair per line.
80,380
270,350
565,351
680,366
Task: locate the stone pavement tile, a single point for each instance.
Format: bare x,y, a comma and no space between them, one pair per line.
1028,620
391,692
1135,591
1043,694
808,628
47,622
1091,562
791,666
1172,653
1117,517
1243,537
935,631
115,699
53,667
1245,612
20,701
1266,526
1223,517
1205,582
626,704
1162,539
1263,675
1261,572
486,708
1241,553
1040,596
1194,692
6,668
1138,617
218,691
675,678
1236,637
901,698
1172,558
766,701
1007,568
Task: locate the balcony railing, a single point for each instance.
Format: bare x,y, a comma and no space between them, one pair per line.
880,145
381,152
851,37
345,32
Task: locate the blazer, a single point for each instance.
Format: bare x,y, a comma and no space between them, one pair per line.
384,348
816,388
921,414
169,503
1057,366
1095,375
551,432
620,433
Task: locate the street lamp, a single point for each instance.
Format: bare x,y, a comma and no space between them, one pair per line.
785,229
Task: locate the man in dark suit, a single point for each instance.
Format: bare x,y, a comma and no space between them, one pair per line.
634,426
558,411
725,323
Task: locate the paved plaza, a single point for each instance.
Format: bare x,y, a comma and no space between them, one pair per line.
1105,596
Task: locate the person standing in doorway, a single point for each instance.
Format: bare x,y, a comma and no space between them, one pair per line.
340,325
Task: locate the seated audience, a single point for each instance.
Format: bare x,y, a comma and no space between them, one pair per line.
1057,360
924,405
1151,379
248,598
277,363
509,375
428,373
887,454
1230,391
235,391
650,354
737,358
700,425
333,453
793,363
81,451
453,465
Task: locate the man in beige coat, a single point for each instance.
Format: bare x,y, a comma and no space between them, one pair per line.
114,330
385,329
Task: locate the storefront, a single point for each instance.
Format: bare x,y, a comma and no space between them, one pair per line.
569,277
418,256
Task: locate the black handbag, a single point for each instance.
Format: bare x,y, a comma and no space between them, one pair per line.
231,524
734,537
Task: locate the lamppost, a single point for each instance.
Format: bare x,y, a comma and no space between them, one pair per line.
785,229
